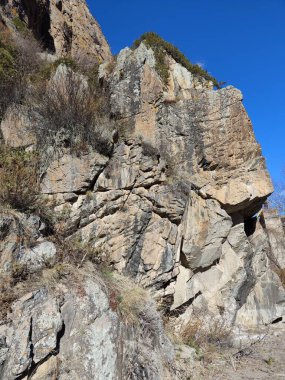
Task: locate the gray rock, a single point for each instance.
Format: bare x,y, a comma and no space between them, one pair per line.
76,332
38,257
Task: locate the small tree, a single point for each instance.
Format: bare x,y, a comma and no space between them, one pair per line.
277,199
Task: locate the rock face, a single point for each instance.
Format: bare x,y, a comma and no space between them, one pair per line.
184,185
176,206
73,332
63,27
275,230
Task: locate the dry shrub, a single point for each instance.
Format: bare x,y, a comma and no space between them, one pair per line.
131,299
75,252
7,296
19,60
206,336
19,179
69,114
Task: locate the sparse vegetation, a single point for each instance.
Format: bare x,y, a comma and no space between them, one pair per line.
269,361
69,114
19,60
20,25
206,337
76,253
161,48
19,178
46,71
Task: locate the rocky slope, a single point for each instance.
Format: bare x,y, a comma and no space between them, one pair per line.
175,206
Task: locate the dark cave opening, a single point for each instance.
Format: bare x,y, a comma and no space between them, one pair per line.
250,225
39,22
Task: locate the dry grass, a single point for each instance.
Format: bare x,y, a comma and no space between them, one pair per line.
19,178
75,252
126,297
207,338
20,187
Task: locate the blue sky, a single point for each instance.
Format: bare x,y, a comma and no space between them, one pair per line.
241,42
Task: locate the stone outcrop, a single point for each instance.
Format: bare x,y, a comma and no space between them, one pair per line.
63,27
73,331
184,186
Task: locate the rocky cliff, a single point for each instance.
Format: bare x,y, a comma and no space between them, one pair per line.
172,203
63,27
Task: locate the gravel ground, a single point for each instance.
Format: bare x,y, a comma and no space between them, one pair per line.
264,360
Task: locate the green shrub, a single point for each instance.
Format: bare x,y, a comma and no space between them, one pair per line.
45,72
160,47
7,64
20,25
161,65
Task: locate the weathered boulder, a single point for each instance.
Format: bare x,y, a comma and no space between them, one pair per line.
37,257
265,299
36,338
174,204
162,207
206,228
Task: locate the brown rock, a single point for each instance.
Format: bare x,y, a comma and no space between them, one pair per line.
62,26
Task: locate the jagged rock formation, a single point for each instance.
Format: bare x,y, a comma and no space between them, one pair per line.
184,186
176,205
63,27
